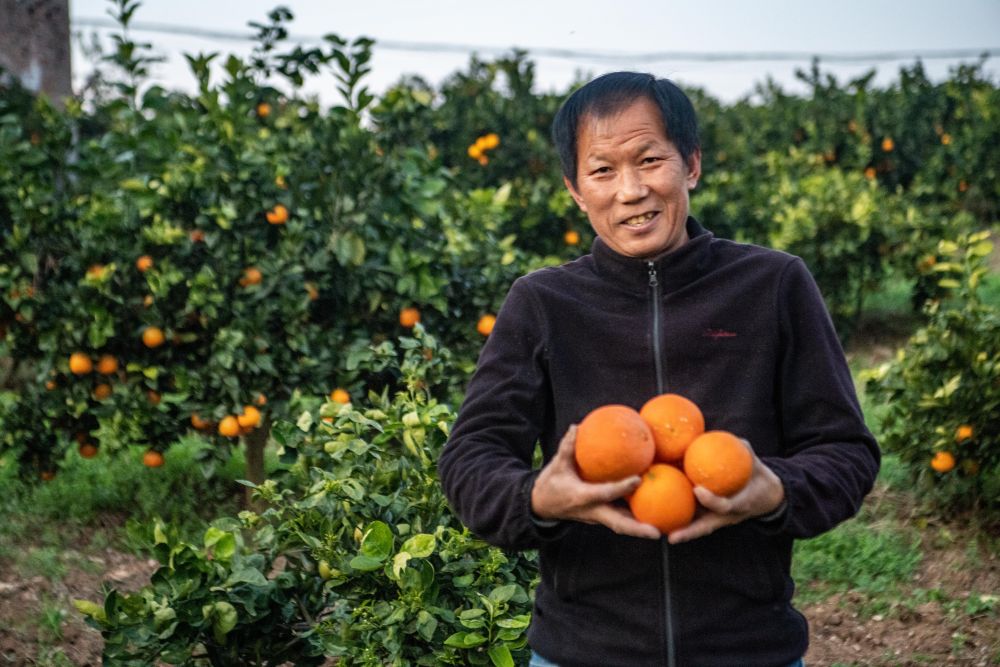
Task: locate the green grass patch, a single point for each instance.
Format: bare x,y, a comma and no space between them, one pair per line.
871,559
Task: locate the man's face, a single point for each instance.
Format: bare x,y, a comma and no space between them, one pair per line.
631,181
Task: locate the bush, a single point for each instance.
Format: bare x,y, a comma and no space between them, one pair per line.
356,556
942,391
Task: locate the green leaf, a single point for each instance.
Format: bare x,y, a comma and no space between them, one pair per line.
377,541
91,609
223,617
246,575
500,656
465,640
503,593
221,543
420,546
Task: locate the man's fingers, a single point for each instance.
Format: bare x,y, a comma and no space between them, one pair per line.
607,491
621,521
567,444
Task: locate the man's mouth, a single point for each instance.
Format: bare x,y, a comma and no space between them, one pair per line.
637,220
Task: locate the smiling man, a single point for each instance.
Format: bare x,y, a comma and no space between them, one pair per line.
660,304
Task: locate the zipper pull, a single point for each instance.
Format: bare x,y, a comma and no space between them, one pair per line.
653,282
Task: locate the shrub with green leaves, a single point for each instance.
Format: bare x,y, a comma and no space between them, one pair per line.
356,555
942,391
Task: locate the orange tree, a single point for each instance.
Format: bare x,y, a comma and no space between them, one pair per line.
942,391
227,249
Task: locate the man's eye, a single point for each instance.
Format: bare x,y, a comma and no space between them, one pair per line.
650,159
602,170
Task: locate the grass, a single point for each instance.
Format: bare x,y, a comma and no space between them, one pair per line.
88,494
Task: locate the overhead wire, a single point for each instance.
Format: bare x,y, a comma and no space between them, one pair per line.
570,54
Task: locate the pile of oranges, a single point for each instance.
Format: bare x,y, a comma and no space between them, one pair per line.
666,443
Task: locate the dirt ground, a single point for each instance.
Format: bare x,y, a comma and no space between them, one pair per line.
842,633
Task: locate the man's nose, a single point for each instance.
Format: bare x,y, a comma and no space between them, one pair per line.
630,186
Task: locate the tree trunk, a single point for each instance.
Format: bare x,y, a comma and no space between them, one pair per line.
255,441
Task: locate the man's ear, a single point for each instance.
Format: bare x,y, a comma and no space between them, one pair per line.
694,169
576,195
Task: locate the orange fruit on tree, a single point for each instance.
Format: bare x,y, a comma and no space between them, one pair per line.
261,399
80,363
153,337
251,276
943,461
888,144
144,263
613,442
718,461
229,427
250,417
409,316
196,236
107,364
675,422
263,109
153,397
312,291
47,475
199,423
152,459
277,215
963,433
96,271
571,237
485,324
88,450
664,498
102,391
340,395
50,385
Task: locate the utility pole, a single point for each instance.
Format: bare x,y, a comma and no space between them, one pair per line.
34,45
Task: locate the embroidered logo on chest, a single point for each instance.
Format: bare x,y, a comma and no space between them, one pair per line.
716,334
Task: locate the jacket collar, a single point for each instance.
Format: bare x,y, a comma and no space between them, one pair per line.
673,269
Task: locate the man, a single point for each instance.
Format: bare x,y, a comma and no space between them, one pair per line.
659,305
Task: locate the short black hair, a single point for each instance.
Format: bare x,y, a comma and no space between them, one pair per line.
610,93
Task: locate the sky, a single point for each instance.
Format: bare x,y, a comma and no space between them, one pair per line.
602,36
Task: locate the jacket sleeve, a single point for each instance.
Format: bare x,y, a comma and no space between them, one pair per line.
485,467
830,459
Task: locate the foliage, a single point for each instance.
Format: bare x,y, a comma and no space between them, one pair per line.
356,556
942,391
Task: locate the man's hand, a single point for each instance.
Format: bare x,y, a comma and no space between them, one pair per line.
560,493
762,495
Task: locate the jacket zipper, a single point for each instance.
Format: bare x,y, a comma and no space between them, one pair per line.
654,286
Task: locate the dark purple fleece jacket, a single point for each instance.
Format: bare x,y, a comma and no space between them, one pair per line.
740,330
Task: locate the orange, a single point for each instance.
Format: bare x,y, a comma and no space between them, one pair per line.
888,144
152,459
263,109
102,391
483,160
664,498
261,399
144,263
409,316
88,450
312,291
571,237
675,422
963,433
340,395
50,384
153,337
199,423
47,475
153,397
943,461
197,236
475,151
485,324
277,215
870,173
80,363
96,271
229,427
613,442
250,417
107,364
147,300
489,141
718,461
251,276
